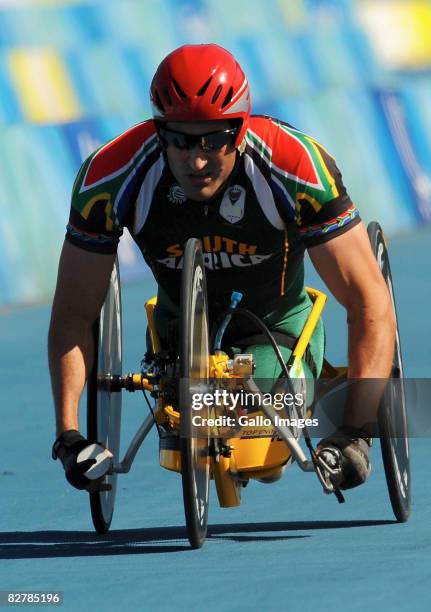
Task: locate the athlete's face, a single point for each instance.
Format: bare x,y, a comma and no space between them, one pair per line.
198,171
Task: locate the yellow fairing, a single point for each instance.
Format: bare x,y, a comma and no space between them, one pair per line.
170,459
255,454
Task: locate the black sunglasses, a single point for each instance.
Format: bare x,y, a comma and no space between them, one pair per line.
213,141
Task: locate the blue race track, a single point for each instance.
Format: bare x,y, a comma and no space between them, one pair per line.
287,547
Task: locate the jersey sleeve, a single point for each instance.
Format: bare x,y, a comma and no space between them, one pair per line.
107,186
308,185
323,207
92,223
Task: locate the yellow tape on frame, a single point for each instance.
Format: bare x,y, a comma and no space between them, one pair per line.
43,86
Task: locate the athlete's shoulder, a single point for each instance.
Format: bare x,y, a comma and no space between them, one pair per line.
118,155
291,154
279,141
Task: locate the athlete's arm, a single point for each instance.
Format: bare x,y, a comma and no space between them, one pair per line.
347,266
82,283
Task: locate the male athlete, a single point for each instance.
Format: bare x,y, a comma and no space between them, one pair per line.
257,192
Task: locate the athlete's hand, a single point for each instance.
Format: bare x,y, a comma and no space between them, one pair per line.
85,463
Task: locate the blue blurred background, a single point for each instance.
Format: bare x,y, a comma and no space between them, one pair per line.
355,74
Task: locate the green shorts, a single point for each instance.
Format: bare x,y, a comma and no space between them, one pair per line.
266,362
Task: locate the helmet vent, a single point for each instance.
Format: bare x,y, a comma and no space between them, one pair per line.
217,94
204,87
167,96
178,89
159,101
228,97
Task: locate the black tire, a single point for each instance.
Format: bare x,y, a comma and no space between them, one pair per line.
194,370
392,418
103,406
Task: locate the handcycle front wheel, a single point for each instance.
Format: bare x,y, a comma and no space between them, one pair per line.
392,417
104,406
194,371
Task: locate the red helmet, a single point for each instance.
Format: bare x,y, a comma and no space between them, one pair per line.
201,83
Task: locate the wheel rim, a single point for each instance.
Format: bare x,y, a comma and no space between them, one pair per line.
392,417
199,371
194,370
104,423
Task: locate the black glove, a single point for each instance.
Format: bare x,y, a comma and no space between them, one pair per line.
67,448
354,462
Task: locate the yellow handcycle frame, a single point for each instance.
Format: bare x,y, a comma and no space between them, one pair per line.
262,455
258,453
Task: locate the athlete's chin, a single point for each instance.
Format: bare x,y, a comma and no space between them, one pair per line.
200,193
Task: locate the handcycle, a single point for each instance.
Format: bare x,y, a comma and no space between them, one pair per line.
231,456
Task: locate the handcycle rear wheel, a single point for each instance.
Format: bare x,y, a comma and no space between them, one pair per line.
392,418
194,370
104,406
